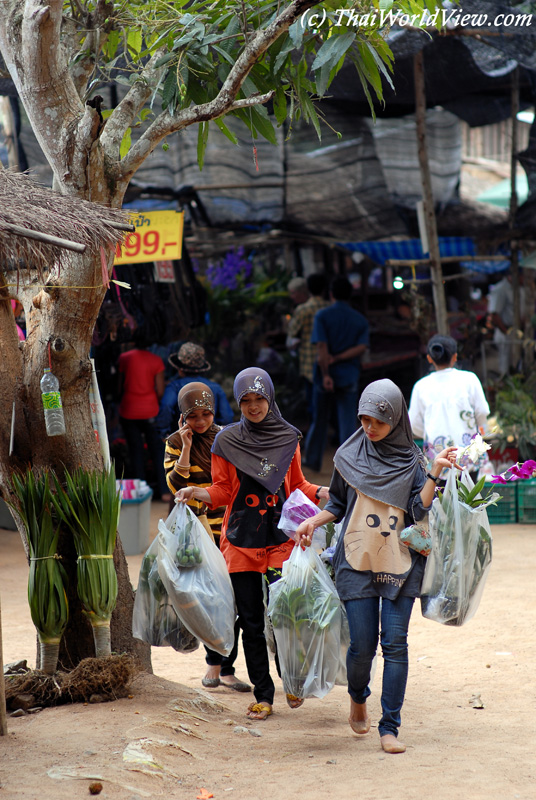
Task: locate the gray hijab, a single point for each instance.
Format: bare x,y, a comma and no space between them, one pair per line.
262,450
383,470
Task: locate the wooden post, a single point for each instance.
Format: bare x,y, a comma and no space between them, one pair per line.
3,715
436,272
514,258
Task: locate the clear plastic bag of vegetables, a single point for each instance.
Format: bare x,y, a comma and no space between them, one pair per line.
342,676
195,576
457,567
154,619
306,614
296,509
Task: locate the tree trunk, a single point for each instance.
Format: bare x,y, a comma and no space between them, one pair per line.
60,322
3,719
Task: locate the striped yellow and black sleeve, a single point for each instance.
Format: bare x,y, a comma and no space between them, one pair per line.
178,477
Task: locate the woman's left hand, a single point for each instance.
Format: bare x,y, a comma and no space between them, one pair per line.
446,458
323,493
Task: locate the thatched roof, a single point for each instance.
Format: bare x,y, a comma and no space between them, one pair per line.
28,210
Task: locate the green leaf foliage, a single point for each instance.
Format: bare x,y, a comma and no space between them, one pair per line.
196,45
47,579
89,507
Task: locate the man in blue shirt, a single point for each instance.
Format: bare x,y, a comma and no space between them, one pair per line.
341,335
190,362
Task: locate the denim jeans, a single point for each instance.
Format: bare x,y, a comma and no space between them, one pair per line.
364,623
344,398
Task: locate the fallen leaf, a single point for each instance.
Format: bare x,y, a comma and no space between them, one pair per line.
476,702
205,794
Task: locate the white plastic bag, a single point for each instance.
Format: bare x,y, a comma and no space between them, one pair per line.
196,579
154,619
306,615
296,509
458,565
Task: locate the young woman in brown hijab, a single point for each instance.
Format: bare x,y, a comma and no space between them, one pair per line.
187,463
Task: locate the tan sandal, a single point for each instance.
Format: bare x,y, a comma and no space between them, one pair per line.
259,710
293,701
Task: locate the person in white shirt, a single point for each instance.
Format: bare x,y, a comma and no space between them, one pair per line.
501,317
448,407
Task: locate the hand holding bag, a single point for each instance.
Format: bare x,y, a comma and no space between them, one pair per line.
296,509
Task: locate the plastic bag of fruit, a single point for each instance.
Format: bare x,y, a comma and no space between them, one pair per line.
195,576
154,620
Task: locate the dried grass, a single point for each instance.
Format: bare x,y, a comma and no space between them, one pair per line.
29,205
108,678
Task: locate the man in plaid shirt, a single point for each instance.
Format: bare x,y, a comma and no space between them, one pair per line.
300,326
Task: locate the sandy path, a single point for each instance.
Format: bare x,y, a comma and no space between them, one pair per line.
454,750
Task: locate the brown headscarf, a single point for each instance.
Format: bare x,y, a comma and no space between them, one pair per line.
192,396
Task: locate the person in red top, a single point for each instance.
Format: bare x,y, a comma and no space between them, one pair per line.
142,385
256,464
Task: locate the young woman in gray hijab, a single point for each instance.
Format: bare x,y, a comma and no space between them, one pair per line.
379,486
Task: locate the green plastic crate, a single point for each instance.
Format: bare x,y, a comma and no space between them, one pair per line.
506,509
526,500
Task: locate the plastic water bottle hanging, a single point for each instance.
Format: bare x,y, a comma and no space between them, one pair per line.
50,393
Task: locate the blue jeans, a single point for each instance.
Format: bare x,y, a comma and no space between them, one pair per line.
364,623
344,398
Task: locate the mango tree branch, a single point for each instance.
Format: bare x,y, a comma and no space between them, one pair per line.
166,123
130,106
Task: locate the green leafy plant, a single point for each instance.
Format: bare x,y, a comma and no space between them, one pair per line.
47,579
303,615
461,552
515,409
89,507
289,54
473,497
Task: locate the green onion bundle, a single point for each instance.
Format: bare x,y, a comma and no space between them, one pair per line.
47,579
89,506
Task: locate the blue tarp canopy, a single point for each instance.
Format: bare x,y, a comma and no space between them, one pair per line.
411,249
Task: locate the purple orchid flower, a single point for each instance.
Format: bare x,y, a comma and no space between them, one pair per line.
517,472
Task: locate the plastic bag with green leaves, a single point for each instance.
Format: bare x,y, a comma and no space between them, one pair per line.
195,576
458,565
306,615
154,620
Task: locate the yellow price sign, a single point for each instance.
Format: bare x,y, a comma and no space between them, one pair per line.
158,237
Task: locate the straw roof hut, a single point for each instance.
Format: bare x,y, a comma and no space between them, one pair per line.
39,227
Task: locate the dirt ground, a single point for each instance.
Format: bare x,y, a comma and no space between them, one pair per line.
173,739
